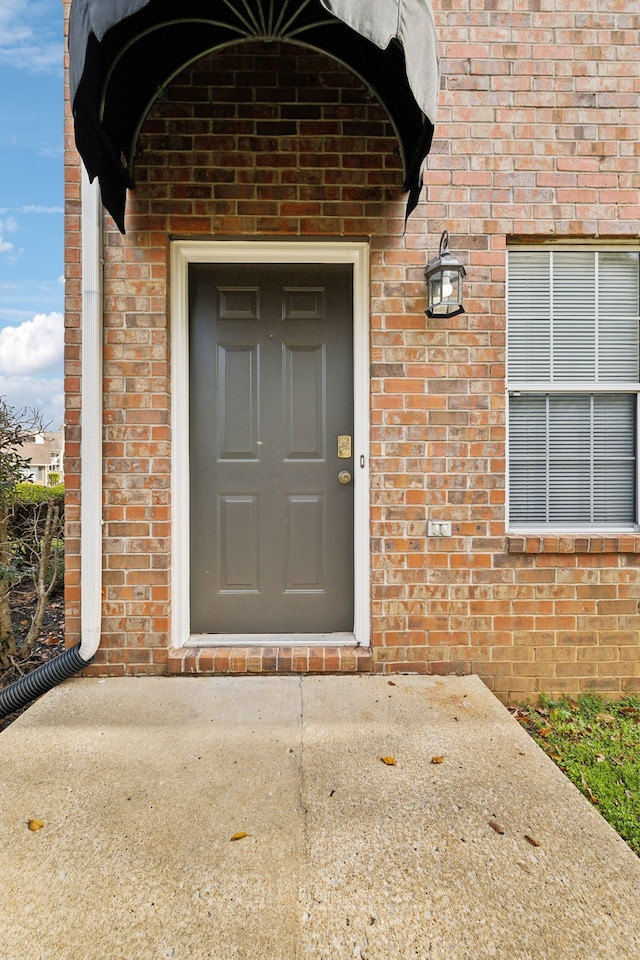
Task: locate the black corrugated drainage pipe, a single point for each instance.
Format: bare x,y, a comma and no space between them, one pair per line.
41,680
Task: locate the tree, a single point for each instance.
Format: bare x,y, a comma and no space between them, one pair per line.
36,532
16,427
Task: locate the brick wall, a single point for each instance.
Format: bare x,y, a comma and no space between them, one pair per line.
537,138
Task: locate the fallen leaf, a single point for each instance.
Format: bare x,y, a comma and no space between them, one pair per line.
390,683
531,840
544,731
437,759
497,827
600,758
605,718
35,825
592,796
629,711
239,835
390,761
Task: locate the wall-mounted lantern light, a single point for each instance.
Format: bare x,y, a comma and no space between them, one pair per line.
444,282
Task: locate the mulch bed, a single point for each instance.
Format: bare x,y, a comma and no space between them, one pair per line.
50,644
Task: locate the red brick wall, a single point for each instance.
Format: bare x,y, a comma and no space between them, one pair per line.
537,138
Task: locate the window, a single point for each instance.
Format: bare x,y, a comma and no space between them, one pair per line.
573,379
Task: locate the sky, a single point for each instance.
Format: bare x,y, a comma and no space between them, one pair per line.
31,207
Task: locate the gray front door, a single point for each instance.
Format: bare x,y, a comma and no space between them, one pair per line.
271,392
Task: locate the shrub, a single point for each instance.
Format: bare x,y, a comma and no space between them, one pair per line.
36,535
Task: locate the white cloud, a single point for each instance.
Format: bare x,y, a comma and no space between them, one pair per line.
31,35
51,152
6,226
35,346
36,393
33,208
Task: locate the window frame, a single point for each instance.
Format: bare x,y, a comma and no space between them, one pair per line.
559,387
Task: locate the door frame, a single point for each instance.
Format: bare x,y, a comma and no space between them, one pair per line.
184,252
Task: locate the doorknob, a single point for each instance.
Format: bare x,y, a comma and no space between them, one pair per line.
344,476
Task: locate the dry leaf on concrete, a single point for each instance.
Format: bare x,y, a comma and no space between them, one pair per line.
437,759
390,761
497,827
35,825
239,835
531,840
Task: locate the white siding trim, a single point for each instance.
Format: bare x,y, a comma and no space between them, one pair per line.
184,252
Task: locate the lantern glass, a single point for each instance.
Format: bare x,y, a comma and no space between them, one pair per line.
444,283
435,292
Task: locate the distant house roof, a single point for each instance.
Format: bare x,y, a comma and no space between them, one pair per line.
40,450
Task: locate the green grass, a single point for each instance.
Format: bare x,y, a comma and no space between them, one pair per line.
596,743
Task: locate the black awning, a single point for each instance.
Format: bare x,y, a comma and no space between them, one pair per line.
122,54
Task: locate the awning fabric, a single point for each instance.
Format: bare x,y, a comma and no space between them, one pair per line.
122,53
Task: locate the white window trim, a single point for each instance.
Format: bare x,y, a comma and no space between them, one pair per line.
514,388
184,252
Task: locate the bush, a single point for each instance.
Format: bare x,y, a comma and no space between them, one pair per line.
27,513
36,539
36,493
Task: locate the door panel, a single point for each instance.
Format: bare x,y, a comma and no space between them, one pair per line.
303,393
271,389
237,544
237,374
305,527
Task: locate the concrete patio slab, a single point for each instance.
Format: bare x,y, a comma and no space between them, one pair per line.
142,783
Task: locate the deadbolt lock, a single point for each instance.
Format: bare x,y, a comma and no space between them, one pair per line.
344,447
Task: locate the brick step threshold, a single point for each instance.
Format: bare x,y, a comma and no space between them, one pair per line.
242,660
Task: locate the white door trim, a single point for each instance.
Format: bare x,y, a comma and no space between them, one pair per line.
184,252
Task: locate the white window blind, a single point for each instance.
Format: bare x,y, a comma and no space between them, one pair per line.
572,337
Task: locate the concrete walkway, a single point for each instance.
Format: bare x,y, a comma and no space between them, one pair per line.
142,783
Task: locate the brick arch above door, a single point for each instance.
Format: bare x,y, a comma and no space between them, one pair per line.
121,61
